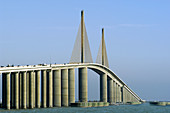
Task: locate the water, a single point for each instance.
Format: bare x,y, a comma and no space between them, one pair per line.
143,108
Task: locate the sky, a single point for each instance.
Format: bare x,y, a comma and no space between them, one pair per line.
137,36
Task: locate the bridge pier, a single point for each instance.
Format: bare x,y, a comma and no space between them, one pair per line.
128,96
12,90
6,90
37,93
31,90
57,88
83,95
133,100
24,90
64,87
114,91
43,88
71,84
110,98
120,94
103,87
7,81
16,90
50,88
3,90
125,93
131,97
27,89
20,89
34,89
117,93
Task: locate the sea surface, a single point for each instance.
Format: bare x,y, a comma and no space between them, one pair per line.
143,108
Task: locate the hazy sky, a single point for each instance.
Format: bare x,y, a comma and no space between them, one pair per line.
137,35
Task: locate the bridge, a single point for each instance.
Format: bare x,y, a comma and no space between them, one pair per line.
22,86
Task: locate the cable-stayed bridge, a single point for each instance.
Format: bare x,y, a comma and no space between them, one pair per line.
21,84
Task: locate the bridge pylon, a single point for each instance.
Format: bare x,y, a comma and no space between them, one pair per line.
102,53
81,52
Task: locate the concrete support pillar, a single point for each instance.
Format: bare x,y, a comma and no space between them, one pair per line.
34,87
120,94
57,88
50,89
28,89
83,94
43,88
8,91
37,75
3,90
133,99
64,87
128,97
123,95
31,90
12,90
114,91
71,84
20,90
24,91
16,90
110,90
103,87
